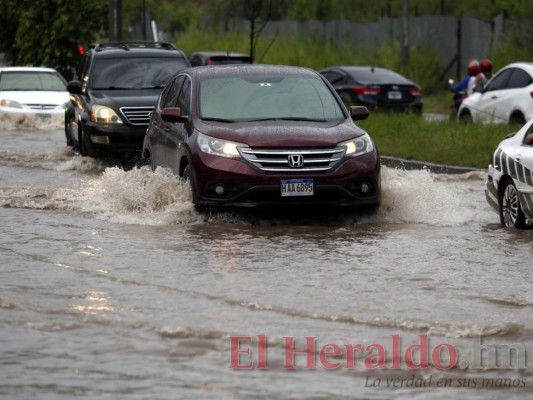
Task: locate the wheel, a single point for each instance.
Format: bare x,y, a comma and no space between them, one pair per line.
68,129
517,119
82,147
465,117
188,177
511,214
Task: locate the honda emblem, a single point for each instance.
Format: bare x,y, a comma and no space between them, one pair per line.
296,160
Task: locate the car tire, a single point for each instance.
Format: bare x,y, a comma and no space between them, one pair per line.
511,214
82,145
465,117
518,119
188,177
68,129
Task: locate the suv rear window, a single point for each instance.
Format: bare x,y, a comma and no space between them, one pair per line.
134,73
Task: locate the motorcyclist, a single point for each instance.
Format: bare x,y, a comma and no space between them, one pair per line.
466,87
485,73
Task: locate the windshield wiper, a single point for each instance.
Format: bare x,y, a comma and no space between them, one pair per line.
218,119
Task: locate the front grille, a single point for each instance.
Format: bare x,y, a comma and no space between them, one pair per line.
137,115
42,106
279,160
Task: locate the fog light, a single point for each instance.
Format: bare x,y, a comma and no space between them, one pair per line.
220,190
100,139
365,188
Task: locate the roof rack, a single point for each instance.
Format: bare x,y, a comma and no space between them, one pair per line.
129,45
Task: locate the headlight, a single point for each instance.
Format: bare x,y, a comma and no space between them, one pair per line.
104,115
359,146
218,147
10,103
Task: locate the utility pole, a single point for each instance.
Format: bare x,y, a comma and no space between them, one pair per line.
115,20
404,56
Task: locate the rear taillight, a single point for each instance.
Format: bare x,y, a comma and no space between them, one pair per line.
531,94
365,91
415,91
209,62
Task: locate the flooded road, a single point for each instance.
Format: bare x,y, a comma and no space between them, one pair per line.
113,286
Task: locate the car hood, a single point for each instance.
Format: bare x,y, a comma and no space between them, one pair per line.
282,133
126,98
36,97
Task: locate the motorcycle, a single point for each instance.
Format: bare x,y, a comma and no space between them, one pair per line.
458,97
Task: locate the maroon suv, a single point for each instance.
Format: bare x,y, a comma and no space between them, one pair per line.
248,136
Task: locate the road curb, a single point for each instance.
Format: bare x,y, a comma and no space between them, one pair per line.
394,162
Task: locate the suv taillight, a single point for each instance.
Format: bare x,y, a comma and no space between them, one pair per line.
416,91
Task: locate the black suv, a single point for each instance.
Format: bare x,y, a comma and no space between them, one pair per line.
113,94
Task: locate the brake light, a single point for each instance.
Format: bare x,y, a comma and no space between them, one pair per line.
365,91
416,91
531,94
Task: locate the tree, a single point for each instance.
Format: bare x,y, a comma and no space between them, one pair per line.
48,32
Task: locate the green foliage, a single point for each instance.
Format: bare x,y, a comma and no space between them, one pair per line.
48,31
443,142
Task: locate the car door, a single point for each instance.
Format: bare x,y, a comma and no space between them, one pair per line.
176,132
484,109
524,165
158,129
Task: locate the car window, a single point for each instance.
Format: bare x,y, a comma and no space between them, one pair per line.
184,98
519,79
333,77
499,82
267,97
173,93
32,80
377,76
134,73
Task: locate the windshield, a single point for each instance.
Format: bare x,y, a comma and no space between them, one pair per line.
134,73
250,98
32,80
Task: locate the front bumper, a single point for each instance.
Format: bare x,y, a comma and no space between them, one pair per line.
247,187
113,138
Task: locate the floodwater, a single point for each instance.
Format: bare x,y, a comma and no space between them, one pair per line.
113,286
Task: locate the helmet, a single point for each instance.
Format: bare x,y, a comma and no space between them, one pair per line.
473,68
485,65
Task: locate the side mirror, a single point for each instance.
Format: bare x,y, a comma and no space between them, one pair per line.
173,114
358,113
74,87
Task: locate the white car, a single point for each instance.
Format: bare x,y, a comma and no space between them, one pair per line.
37,91
509,187
506,98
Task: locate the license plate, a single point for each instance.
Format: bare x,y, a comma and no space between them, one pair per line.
394,95
297,187
44,116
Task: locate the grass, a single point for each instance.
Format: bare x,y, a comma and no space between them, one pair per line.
443,142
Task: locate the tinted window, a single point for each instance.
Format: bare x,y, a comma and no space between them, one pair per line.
172,96
32,80
519,79
184,97
499,82
368,76
134,73
267,97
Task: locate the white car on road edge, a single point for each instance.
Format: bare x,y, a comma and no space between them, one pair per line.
509,187
506,98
